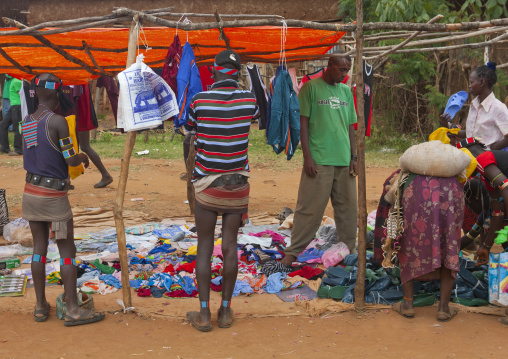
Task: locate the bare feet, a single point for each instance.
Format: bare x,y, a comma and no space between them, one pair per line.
104,182
287,260
82,316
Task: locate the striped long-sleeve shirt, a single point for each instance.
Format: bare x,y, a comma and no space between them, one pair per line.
222,118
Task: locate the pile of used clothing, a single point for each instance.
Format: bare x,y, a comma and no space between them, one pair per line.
382,286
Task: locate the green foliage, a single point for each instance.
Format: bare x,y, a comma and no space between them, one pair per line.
411,69
106,137
486,10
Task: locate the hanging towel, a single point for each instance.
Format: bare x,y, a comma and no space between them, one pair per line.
171,63
284,130
368,80
188,83
257,87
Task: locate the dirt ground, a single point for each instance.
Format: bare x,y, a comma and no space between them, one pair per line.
159,330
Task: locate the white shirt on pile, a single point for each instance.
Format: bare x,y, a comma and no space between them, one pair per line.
487,121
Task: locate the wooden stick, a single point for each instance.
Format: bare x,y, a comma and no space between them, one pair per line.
360,149
52,46
66,55
445,39
94,21
122,183
89,53
222,35
14,62
396,47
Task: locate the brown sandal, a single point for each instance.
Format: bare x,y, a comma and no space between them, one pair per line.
446,317
406,313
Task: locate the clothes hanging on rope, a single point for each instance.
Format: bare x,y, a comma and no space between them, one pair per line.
292,73
73,93
206,75
109,84
273,82
172,63
368,80
284,130
257,87
311,76
188,84
87,119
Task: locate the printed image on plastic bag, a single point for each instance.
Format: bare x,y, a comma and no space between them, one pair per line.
498,278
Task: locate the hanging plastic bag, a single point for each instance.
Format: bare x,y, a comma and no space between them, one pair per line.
498,278
145,99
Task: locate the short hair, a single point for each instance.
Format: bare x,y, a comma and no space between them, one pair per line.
334,55
487,72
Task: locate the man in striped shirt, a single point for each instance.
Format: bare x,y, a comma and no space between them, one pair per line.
221,119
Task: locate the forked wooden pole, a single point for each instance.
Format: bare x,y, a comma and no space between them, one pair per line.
360,149
122,183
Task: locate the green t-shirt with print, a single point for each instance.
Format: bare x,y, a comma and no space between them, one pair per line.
7,84
331,110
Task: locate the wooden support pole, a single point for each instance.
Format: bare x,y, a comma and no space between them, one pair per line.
122,183
360,149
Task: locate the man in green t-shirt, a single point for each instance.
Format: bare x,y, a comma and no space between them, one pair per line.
13,117
327,118
6,103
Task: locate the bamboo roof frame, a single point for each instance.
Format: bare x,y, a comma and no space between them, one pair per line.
440,33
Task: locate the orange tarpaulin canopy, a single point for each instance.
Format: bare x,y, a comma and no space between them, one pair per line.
108,46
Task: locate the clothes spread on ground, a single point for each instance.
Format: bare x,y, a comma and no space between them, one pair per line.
223,116
368,80
171,64
188,83
284,130
257,87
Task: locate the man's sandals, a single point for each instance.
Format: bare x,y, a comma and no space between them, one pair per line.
86,317
40,315
192,317
224,323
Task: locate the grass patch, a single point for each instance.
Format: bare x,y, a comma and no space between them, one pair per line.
381,150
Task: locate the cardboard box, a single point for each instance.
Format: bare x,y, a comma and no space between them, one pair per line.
9,262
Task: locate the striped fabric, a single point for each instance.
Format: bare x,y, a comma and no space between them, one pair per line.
230,199
29,131
222,118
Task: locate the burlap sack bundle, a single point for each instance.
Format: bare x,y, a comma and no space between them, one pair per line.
434,158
